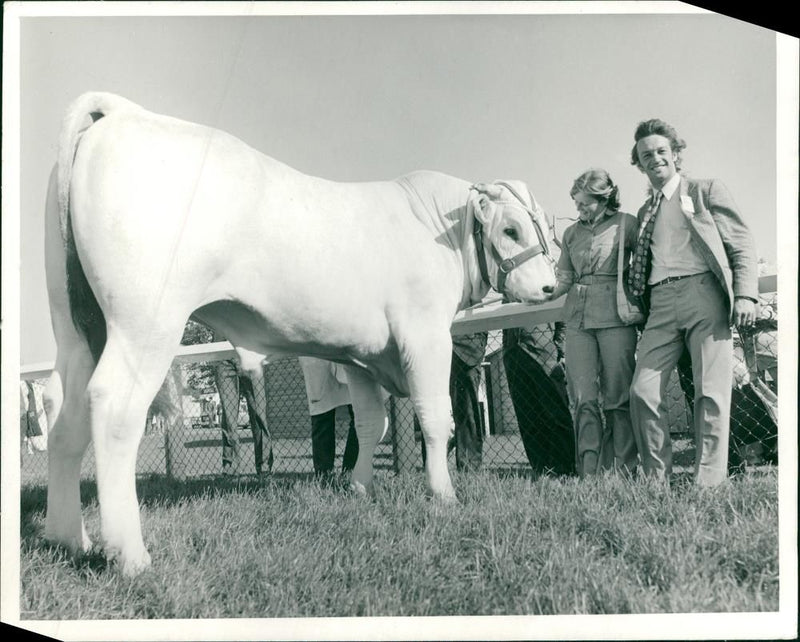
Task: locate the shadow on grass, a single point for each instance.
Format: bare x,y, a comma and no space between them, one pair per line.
158,489
152,490
161,490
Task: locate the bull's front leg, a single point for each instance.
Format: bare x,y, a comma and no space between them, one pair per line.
436,420
371,424
428,372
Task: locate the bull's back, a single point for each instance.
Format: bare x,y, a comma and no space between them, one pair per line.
173,213
154,201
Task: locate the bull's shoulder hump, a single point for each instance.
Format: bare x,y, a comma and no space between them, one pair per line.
425,176
430,182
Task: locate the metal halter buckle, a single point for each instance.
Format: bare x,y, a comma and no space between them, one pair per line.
506,265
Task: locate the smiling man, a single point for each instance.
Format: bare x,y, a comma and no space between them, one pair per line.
695,267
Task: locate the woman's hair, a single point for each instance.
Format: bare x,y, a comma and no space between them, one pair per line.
657,126
597,184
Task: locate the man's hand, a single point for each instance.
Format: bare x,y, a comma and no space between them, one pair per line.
744,312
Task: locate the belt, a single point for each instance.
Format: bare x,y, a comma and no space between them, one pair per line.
591,279
672,279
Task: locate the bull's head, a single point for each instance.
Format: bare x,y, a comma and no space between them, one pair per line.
511,233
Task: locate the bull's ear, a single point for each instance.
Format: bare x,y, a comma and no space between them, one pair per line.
482,207
493,191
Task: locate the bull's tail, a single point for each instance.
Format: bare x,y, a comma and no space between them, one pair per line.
86,314
85,311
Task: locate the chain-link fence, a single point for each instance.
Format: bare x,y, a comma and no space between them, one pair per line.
229,423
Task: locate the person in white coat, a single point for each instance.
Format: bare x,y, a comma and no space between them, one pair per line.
326,390
31,418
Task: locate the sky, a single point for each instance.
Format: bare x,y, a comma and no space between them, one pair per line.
534,97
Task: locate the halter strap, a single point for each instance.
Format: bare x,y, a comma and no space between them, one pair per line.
504,266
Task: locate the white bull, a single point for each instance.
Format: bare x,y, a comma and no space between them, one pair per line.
151,220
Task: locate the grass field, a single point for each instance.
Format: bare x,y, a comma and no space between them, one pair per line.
287,546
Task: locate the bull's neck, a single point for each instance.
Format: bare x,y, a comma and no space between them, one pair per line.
447,217
453,234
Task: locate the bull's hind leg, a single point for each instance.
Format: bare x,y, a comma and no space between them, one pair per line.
124,384
371,424
67,440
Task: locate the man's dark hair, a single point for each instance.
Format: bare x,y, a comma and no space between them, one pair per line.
658,126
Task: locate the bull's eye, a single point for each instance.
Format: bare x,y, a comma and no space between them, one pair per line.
511,233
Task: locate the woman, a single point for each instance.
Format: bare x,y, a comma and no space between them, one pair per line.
599,348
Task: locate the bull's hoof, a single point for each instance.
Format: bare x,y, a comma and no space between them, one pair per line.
446,499
445,496
133,565
357,488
